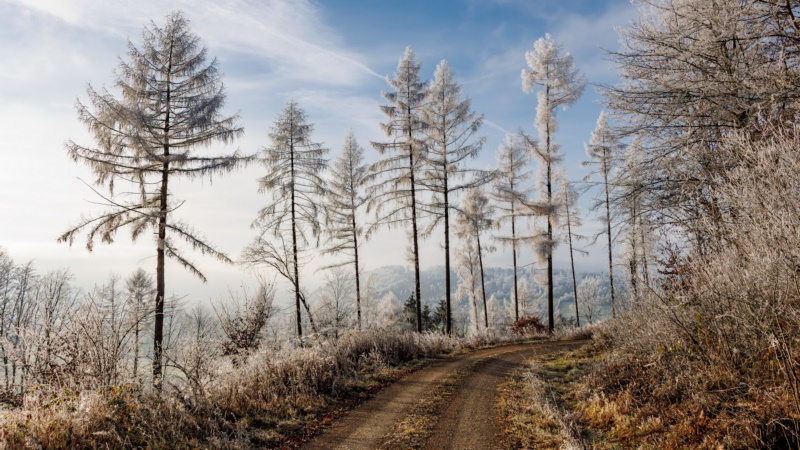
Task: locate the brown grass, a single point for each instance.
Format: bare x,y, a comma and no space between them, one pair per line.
604,398
534,412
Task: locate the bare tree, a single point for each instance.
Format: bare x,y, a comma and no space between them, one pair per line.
474,218
559,84
603,151
106,324
450,130
170,104
345,198
394,178
509,191
242,319
199,350
19,309
335,304
294,178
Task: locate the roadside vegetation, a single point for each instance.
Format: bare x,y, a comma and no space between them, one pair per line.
271,398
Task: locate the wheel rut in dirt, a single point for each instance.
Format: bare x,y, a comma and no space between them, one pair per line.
468,422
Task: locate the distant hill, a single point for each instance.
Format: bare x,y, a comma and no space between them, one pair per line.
399,280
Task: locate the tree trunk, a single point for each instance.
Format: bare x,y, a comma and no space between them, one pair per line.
483,283
633,262
136,340
645,271
417,285
550,315
608,230
298,317
572,258
446,240
514,259
158,334
358,276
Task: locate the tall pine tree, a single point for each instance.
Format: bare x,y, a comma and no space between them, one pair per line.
450,130
394,179
552,73
344,200
169,105
294,178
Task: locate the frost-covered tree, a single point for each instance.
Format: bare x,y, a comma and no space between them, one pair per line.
169,106
693,71
468,270
394,191
344,199
573,220
552,73
294,179
139,286
243,317
451,142
592,296
509,190
17,310
632,207
603,150
335,306
475,217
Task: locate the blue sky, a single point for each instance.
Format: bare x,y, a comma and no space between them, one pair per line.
332,56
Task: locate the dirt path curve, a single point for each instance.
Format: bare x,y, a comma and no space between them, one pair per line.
469,422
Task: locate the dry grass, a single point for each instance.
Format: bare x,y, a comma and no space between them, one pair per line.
532,404
273,400
610,398
671,401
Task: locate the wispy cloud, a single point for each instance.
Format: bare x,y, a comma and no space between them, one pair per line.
588,36
291,35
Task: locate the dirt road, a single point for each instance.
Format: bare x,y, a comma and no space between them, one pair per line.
468,422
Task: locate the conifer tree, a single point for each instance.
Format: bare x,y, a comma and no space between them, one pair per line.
345,198
394,179
169,105
140,287
450,129
509,191
573,220
294,179
633,208
475,217
602,151
552,73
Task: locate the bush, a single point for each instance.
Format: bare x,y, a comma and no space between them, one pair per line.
528,326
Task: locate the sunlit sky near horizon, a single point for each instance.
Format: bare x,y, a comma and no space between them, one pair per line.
331,56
